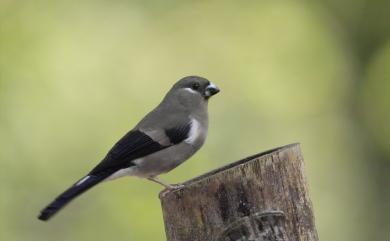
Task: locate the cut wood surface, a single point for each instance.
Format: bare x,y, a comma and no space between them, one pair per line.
261,198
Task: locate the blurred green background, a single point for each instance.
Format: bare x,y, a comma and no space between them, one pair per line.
76,75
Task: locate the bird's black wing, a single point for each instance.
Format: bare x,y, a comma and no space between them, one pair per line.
133,145
136,144
178,134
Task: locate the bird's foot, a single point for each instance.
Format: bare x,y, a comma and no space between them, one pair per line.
170,188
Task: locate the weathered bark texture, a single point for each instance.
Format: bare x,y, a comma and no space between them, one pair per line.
261,198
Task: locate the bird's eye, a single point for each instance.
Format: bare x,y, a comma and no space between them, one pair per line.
195,86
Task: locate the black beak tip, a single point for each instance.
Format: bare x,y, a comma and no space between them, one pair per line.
213,90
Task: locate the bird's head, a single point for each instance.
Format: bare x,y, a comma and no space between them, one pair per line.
195,88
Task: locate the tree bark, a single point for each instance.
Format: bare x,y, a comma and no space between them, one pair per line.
261,198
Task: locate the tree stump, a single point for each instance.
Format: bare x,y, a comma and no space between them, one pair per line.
260,198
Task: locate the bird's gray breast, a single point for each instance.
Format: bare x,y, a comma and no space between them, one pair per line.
169,158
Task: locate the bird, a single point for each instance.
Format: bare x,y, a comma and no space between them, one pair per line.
166,137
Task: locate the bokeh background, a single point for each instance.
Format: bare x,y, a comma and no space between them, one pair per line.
76,75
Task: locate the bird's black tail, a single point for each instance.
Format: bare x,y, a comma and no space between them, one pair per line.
78,188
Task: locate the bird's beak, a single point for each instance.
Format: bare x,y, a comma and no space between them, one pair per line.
211,90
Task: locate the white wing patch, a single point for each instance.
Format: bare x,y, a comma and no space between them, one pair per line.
194,132
82,180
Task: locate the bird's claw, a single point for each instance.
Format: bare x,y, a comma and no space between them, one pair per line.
169,189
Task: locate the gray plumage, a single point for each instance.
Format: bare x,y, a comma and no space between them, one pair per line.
162,140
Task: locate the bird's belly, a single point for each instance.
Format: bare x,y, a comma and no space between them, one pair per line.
163,161
157,163
122,173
